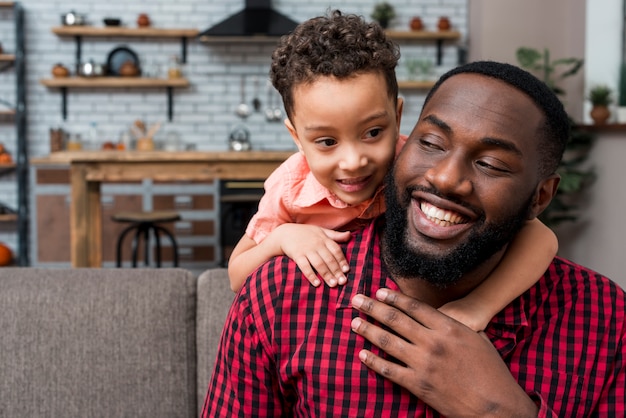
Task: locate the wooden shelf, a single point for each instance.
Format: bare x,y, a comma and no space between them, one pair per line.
11,217
424,35
150,32
7,112
7,3
416,85
7,168
114,82
7,57
239,39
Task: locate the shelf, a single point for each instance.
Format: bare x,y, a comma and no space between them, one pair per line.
94,31
78,32
114,82
8,217
239,39
7,3
422,35
7,113
416,85
7,168
7,57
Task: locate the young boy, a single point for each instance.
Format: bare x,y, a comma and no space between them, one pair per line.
336,76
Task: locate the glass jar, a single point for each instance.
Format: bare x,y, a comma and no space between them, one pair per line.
174,68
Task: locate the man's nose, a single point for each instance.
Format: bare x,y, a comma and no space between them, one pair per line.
451,176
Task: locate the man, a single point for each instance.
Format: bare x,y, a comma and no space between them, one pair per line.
480,162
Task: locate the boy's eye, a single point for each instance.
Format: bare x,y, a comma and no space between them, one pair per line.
326,142
373,133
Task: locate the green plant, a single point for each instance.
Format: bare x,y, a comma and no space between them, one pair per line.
383,13
601,95
575,177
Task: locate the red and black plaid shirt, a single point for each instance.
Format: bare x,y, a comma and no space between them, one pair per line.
287,348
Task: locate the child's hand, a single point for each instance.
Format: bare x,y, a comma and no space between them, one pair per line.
315,249
466,313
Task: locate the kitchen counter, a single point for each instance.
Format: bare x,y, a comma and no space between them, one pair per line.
88,169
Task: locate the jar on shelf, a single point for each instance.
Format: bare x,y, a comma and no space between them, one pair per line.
75,142
416,23
143,20
174,68
444,23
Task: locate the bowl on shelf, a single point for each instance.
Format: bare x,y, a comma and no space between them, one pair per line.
112,21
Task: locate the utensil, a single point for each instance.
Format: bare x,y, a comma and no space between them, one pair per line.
256,102
92,69
243,110
269,111
73,19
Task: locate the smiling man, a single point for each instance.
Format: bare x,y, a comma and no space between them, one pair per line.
479,163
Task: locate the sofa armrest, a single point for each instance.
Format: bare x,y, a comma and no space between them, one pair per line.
214,300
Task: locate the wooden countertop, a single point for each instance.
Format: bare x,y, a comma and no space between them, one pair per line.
67,157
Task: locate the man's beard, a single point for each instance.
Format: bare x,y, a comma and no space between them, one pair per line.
443,269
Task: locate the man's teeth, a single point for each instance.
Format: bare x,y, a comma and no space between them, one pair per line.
439,216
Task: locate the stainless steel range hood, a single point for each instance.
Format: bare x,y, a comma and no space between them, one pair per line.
257,18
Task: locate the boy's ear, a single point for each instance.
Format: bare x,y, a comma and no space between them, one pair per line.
399,108
293,133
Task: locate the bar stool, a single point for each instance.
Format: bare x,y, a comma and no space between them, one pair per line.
143,223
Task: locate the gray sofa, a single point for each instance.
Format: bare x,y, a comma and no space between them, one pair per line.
108,342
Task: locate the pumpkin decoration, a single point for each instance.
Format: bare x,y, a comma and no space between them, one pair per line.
6,256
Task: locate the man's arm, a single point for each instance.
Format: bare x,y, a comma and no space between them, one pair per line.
453,369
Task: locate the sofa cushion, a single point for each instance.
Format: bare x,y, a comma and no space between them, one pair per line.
214,300
97,343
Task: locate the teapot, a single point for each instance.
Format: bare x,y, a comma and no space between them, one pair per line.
239,139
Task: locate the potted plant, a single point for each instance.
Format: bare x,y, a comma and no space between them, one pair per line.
575,177
383,13
600,96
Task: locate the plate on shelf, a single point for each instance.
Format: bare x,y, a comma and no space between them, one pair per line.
120,55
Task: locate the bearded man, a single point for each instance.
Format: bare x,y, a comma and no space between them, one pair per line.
480,161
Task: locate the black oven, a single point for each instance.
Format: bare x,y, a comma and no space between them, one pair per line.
239,200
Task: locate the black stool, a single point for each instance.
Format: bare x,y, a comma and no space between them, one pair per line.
142,224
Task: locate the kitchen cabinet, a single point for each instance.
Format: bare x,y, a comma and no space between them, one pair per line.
438,37
13,116
80,32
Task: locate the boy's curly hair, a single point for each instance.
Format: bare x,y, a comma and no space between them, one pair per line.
332,45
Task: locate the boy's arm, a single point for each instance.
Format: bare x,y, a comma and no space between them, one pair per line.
312,248
525,261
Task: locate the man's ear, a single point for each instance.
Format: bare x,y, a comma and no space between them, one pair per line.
293,133
543,195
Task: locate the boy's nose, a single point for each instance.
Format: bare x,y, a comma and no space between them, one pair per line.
352,160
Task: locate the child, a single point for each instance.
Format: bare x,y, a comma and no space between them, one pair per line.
336,76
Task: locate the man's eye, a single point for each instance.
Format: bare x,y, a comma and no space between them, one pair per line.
326,142
425,143
490,167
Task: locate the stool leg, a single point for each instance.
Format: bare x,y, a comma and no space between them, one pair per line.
146,241
157,245
120,241
172,240
136,240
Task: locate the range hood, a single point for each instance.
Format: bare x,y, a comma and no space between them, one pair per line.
256,19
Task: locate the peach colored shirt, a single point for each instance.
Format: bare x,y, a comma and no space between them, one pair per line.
293,195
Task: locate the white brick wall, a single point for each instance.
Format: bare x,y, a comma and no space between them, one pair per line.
203,113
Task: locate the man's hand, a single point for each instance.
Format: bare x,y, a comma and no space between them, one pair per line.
315,249
447,365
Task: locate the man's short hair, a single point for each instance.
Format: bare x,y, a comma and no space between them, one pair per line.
555,131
